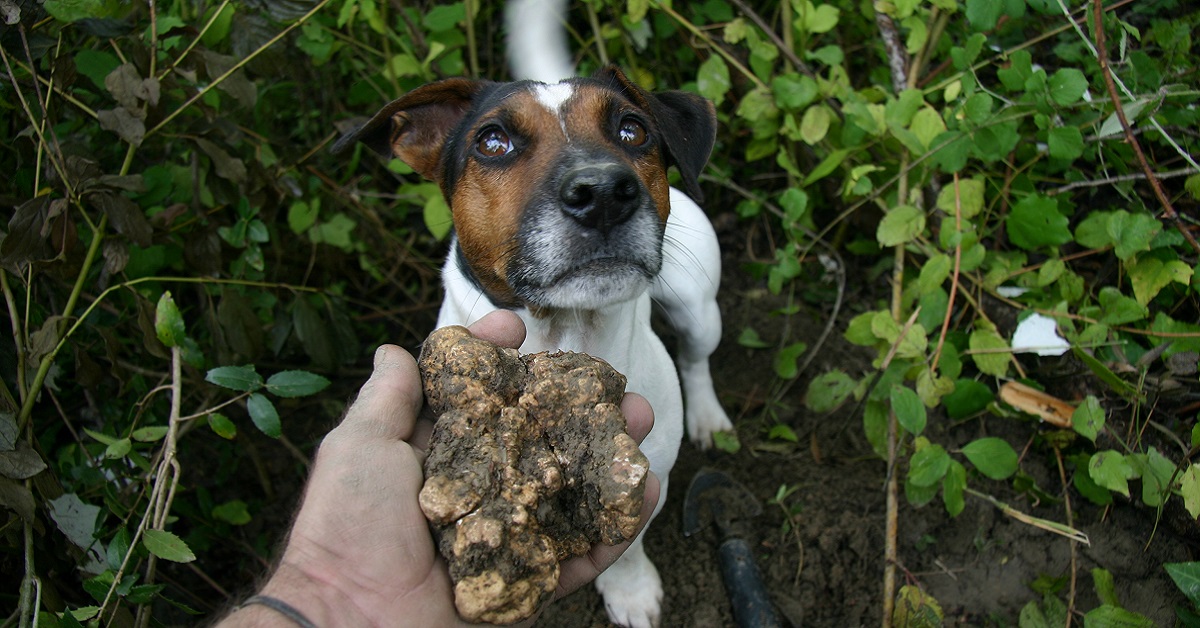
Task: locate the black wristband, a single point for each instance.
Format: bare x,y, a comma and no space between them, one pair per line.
281,607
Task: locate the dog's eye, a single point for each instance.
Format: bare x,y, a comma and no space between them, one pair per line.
494,143
632,132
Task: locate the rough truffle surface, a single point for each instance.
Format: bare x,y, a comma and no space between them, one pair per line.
529,464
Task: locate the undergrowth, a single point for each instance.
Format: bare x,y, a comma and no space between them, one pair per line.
185,268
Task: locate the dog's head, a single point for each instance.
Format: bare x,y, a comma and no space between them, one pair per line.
558,192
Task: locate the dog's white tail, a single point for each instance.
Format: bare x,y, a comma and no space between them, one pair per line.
537,40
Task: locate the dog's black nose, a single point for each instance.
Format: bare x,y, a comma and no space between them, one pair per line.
600,196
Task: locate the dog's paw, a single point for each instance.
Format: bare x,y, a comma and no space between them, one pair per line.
632,593
705,417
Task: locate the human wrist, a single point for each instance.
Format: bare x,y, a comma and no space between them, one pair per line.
305,597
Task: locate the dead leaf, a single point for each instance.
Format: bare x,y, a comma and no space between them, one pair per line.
21,463
227,166
1050,408
123,123
18,497
127,218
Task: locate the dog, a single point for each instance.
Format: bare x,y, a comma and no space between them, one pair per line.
563,214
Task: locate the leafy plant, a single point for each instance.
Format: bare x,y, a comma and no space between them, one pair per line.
997,164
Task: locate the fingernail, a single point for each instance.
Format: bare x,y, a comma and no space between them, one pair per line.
380,355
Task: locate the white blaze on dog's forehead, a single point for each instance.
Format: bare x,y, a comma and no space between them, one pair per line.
553,97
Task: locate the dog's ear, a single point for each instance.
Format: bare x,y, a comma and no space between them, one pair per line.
414,127
687,123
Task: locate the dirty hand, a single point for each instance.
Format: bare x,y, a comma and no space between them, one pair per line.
360,552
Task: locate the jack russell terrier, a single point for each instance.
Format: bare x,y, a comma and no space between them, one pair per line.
563,214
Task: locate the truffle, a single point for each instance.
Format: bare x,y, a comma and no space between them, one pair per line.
529,464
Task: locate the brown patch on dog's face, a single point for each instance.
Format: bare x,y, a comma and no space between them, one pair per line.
508,188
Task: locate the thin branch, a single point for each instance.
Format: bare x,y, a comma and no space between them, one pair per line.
1135,176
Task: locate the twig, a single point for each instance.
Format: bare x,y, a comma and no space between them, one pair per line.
1134,176
1102,56
898,64
1062,474
897,58
937,354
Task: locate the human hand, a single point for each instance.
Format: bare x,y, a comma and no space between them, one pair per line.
360,552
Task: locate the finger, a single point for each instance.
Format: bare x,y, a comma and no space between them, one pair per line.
581,570
388,403
639,416
501,327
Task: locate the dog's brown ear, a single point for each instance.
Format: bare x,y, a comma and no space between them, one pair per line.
414,127
686,121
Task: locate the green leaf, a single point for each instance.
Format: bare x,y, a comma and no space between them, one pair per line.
168,321
935,271
1118,309
437,216
932,388
927,125
860,330
994,457
829,390
1065,143
1150,275
1114,617
1035,222
1083,482
444,17
1067,86
815,124
727,442
264,415
302,215
1112,471
1189,489
954,484
712,80
792,91
951,151
826,167
901,224
910,412
819,19
222,426
928,465
1187,578
750,339
989,351
118,449
969,397
240,378
970,197
167,546
151,434
1088,418
1132,233
983,14
779,431
785,360
296,384
74,10
1105,589
234,512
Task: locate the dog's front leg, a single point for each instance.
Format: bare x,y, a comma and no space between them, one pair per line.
686,293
